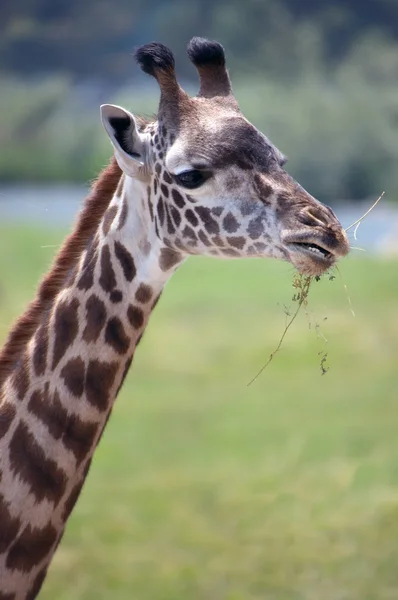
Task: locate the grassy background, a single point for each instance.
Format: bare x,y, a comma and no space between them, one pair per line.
204,489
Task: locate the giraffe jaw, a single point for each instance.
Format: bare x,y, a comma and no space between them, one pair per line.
311,255
310,259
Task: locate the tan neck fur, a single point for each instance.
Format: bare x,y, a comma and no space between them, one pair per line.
59,385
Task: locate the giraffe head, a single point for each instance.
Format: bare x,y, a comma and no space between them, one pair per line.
215,184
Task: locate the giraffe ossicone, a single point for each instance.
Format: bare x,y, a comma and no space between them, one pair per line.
201,179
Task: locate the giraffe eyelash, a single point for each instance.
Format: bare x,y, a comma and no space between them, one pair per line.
192,179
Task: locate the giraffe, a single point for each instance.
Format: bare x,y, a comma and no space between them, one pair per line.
200,179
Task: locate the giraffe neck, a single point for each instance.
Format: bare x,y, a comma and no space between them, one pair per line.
57,400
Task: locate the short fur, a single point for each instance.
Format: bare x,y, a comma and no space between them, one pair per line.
93,210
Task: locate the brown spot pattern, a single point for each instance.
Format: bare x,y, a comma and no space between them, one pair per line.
68,258
31,547
229,252
87,466
167,178
255,228
237,242
116,337
7,415
20,378
247,208
100,377
109,217
95,318
203,238
208,221
120,185
136,316
116,296
178,199
66,327
123,214
71,500
178,244
156,228
230,224
161,212
107,278
261,188
29,462
260,246
156,300
170,225
36,587
86,279
191,217
48,410
77,436
144,293
168,258
150,206
126,261
189,233
217,211
175,214
127,367
9,526
40,351
218,241
73,376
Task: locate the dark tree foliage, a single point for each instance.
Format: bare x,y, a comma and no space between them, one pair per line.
95,38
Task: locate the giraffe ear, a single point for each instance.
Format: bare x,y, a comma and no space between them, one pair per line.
127,141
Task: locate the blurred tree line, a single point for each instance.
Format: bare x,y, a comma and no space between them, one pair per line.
319,77
95,38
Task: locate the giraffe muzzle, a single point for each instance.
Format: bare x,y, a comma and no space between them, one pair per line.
312,251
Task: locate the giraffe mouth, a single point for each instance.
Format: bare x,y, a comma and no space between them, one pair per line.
310,258
310,255
313,249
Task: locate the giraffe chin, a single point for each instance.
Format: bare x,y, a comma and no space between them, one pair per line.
310,261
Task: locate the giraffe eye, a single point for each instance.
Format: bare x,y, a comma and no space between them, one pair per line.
191,179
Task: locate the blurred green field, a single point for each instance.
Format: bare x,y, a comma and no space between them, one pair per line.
204,489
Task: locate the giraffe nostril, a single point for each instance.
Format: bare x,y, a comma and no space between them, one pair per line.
306,219
312,217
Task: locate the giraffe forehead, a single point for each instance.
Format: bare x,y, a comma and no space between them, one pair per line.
222,143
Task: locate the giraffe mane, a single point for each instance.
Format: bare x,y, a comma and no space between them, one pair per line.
66,259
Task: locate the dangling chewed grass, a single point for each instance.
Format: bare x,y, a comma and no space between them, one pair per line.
302,284
204,489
